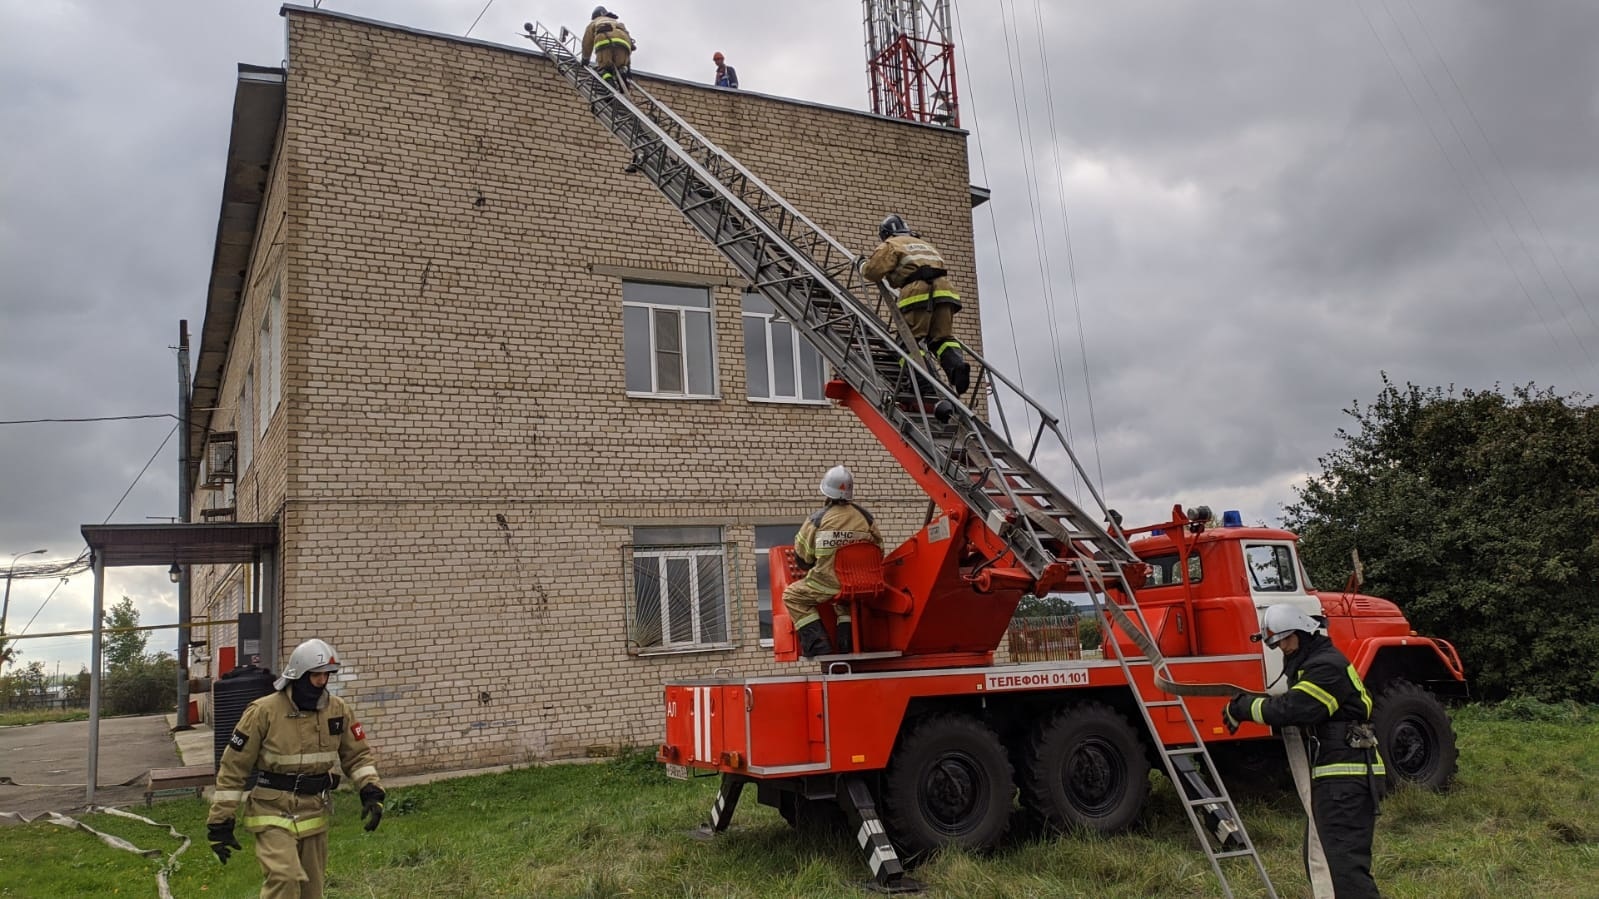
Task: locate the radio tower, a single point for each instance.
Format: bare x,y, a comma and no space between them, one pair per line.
910,59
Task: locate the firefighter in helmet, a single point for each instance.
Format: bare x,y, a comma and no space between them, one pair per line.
839,523
927,299
289,741
1328,701
607,40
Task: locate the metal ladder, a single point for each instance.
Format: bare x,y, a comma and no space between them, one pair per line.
815,282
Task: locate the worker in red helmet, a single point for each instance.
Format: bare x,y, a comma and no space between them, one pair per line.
726,75
839,523
279,765
607,40
1328,702
927,299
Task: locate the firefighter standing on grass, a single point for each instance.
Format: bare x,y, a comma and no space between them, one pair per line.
839,523
290,741
607,40
1327,700
927,299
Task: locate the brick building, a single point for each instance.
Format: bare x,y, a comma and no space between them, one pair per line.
524,435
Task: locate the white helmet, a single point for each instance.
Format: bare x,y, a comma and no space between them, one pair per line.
1280,621
838,483
309,657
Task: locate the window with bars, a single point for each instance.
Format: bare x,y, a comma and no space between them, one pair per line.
678,596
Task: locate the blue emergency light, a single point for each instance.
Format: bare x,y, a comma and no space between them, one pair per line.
1232,519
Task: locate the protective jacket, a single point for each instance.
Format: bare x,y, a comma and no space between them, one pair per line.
606,33
837,524
1326,697
295,753
914,268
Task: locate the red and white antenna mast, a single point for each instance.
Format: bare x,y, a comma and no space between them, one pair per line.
910,59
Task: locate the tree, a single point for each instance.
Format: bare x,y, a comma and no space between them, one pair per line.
1478,513
123,648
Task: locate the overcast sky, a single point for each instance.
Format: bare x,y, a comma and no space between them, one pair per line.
1270,205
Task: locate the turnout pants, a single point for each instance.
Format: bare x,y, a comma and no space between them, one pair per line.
801,599
294,867
1345,820
612,59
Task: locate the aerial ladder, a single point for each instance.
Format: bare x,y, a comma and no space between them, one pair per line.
995,505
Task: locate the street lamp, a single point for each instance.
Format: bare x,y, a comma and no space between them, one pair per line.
5,609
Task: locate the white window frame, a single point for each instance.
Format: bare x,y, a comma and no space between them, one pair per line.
797,344
682,313
245,425
697,623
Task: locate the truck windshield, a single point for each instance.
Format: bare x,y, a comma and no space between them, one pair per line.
1271,568
1167,570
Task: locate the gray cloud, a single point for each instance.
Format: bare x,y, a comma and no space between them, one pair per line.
1261,219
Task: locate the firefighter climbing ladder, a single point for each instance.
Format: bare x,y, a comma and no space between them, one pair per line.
814,281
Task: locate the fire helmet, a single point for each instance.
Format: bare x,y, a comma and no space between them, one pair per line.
309,657
1282,620
891,226
599,11
838,483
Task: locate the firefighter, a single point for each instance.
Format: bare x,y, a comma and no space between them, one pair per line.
607,40
926,297
1328,701
839,523
289,740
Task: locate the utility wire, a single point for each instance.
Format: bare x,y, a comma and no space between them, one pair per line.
37,421
993,222
479,18
140,474
1487,187
1476,206
1503,169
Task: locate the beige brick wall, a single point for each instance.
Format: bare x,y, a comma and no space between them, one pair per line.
454,360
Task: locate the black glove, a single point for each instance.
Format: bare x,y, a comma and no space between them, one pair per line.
372,806
1230,717
222,840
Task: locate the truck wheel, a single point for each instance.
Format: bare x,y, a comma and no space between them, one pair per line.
948,784
1086,767
1415,736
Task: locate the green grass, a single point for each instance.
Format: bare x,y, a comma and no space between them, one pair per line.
41,716
1523,819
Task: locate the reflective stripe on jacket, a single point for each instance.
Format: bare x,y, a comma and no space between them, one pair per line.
1325,696
839,523
606,31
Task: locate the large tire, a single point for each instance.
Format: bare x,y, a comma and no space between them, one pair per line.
1086,767
1415,736
948,784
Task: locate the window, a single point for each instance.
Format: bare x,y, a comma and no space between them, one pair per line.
1271,568
766,537
1167,570
667,336
269,343
782,366
246,433
679,590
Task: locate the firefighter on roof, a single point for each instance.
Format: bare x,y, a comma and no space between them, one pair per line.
1328,701
839,523
927,299
290,740
607,40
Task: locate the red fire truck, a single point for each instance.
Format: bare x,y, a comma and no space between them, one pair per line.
924,719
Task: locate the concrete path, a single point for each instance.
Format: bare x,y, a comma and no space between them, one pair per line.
56,754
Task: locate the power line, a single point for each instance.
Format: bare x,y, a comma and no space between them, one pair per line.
39,421
140,474
479,18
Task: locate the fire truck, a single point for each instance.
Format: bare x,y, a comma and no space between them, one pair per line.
926,735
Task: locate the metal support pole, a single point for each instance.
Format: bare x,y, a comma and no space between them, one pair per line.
95,661
183,516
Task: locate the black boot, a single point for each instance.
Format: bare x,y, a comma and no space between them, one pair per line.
956,369
813,641
846,639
